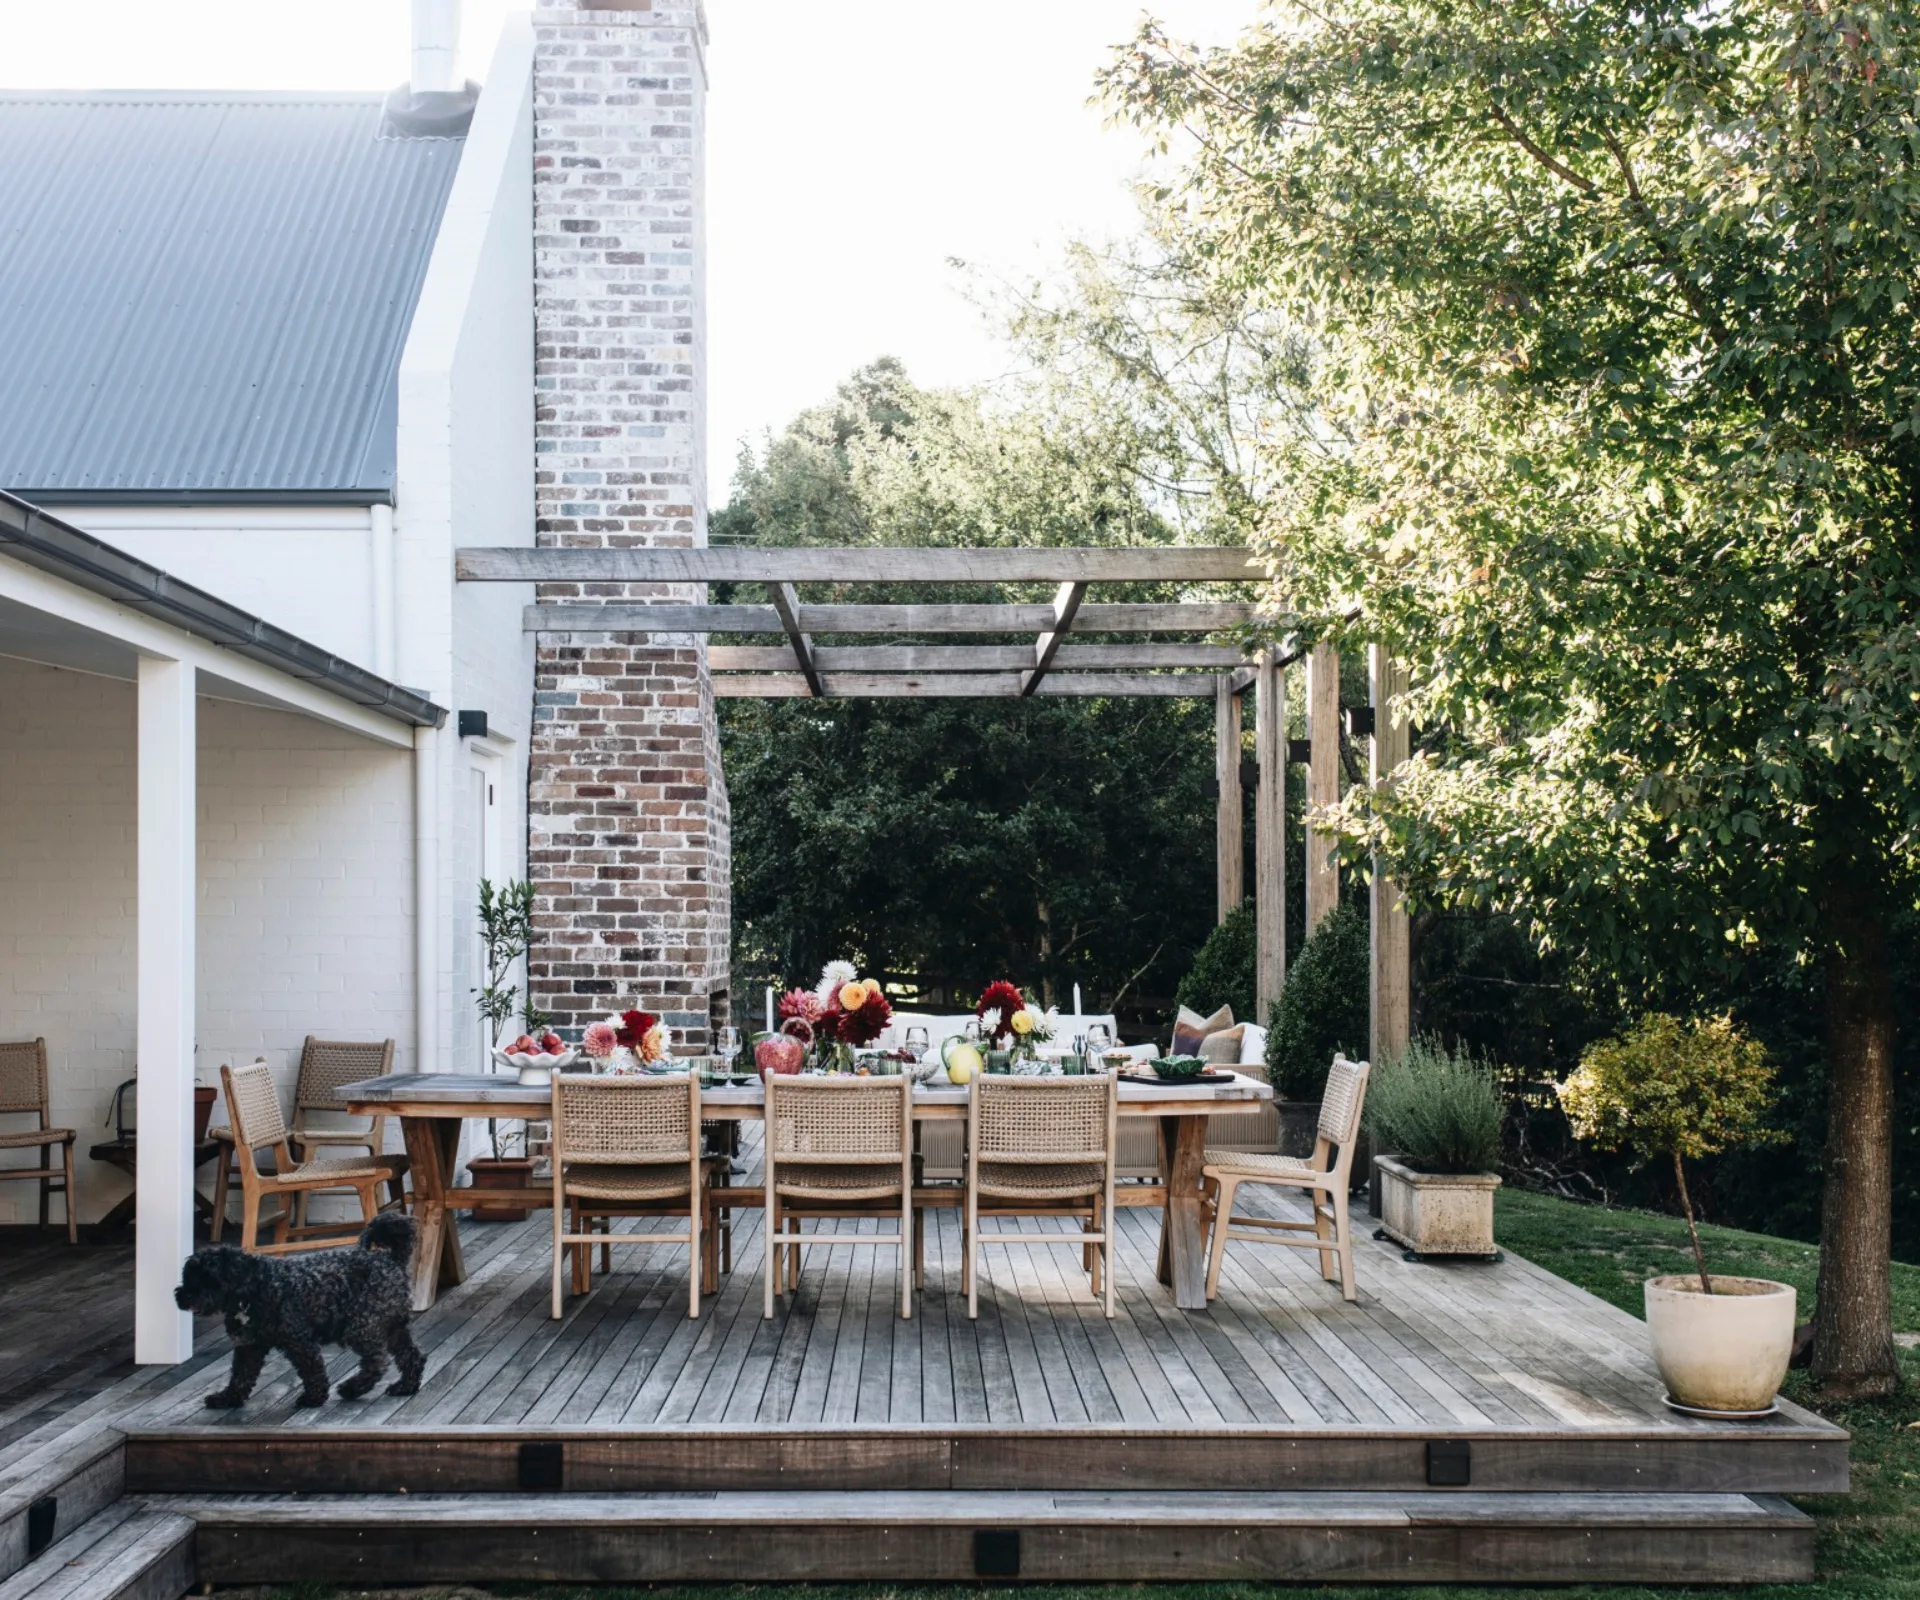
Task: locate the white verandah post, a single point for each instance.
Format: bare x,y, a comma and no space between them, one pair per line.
167,885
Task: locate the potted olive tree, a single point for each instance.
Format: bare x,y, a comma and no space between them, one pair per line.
1437,1113
506,929
1682,1090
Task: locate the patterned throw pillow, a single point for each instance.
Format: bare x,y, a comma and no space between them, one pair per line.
1222,1047
1190,1029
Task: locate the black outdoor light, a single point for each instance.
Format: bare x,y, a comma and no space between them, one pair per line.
473,724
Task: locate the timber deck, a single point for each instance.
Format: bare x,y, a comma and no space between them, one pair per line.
1469,1419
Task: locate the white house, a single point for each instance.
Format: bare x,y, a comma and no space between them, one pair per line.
265,360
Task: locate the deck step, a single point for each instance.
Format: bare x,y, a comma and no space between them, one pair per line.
1431,1536
49,1492
129,1551
1755,1458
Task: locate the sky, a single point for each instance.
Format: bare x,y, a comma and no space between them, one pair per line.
855,148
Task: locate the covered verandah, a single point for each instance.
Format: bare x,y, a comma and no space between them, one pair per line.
206,852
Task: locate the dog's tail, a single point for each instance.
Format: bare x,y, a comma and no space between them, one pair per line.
391,1231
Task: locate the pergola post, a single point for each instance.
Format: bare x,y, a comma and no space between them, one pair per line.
1392,970
165,889
1323,779
1229,840
1269,834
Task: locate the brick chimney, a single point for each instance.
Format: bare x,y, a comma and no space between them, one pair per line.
628,845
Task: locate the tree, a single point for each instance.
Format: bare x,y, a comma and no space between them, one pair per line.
940,843
1613,320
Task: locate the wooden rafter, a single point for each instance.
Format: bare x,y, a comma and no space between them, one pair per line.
1141,657
961,686
863,564
1141,617
1066,601
787,604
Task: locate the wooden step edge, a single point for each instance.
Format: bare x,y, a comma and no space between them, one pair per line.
787,1537
129,1551
325,1462
81,1480
912,1508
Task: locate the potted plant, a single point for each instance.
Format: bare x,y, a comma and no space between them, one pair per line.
506,929
1685,1090
1439,1112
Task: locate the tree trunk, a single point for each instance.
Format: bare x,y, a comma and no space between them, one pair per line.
1853,1353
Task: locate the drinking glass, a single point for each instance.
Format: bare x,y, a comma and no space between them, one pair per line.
972,1032
1099,1038
918,1042
730,1047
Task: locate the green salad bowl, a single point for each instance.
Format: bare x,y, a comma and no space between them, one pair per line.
1178,1069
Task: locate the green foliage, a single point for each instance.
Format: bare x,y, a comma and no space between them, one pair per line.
1324,1007
1438,1109
1222,971
1672,1088
506,929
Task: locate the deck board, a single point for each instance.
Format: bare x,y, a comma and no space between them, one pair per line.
1428,1349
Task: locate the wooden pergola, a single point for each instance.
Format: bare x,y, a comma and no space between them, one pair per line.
1013,650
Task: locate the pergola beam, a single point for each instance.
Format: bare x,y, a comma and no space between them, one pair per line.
787,604
961,686
1066,601
1141,617
862,564
1069,657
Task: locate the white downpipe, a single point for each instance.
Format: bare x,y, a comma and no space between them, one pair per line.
426,907
380,529
436,42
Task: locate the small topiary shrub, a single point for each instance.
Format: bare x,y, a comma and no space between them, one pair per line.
1323,1008
1437,1109
1222,973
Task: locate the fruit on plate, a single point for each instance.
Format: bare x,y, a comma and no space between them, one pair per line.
962,1060
779,1052
522,1046
552,1043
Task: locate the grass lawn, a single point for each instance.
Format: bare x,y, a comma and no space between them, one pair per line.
1869,1539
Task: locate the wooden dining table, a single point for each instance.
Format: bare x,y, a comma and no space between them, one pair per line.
432,1106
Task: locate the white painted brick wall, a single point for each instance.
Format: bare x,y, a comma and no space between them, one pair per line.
305,894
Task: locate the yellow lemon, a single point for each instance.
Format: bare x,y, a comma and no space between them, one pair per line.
962,1060
853,995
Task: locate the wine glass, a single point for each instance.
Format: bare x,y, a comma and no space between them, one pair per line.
918,1042
730,1047
1099,1039
972,1031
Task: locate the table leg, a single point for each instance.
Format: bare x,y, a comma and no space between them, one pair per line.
433,1146
1183,1256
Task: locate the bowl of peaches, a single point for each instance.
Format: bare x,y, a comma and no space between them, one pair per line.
536,1057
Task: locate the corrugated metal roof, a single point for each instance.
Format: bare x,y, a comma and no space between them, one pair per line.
206,295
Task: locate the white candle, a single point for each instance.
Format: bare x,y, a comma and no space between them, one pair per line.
769,1008
1076,999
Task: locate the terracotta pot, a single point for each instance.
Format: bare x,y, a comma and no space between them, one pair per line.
1436,1213
203,1097
1725,1351
501,1172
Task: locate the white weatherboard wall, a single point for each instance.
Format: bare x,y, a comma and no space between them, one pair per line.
305,895
465,477
308,569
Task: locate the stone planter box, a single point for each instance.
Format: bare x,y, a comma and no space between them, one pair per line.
1436,1213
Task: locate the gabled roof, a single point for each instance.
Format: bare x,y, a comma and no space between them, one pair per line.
204,297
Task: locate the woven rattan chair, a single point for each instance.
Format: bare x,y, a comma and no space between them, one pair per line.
253,1104
325,1065
1325,1175
23,1092
1042,1147
835,1147
630,1147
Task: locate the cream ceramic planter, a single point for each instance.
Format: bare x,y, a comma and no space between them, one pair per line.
1437,1213
1725,1351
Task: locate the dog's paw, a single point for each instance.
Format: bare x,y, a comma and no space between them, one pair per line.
224,1400
353,1389
404,1386
308,1398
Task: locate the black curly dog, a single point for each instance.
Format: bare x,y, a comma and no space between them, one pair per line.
359,1298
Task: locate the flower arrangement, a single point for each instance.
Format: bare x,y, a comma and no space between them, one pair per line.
631,1036
1006,1014
842,1009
